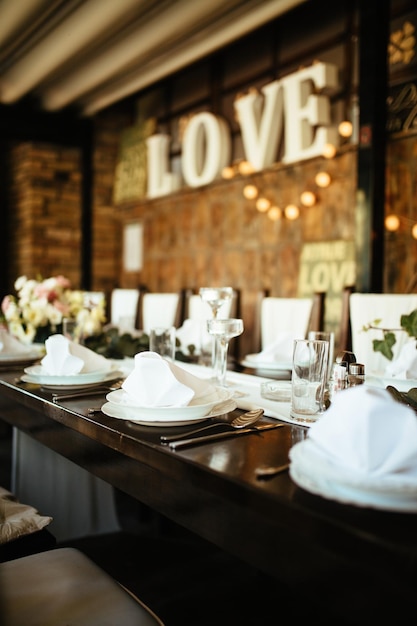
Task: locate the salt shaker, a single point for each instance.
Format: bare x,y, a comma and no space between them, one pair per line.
356,374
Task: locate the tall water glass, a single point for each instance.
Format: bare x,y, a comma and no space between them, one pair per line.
309,379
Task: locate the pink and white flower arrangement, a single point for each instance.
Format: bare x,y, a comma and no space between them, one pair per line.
39,307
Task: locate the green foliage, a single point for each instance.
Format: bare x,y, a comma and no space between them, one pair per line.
114,346
385,345
408,324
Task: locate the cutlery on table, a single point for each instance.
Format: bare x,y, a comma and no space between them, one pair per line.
241,421
195,441
269,471
97,391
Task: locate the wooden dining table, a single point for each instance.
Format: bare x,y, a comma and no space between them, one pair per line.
360,561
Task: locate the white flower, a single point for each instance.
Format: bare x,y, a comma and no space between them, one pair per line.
44,303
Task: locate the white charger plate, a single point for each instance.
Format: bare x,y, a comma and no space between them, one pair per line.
252,361
379,379
198,407
159,417
25,357
108,378
37,376
314,473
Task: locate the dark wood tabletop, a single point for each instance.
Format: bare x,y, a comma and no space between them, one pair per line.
212,490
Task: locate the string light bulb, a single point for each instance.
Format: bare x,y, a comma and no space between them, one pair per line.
263,204
291,212
323,179
308,198
275,213
345,129
414,231
329,151
228,172
250,192
245,168
392,223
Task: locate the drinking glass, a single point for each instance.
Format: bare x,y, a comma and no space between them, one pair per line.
223,330
215,298
309,378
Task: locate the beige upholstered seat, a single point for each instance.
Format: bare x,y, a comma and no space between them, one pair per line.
63,587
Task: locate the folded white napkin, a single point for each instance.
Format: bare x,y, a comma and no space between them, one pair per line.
11,345
65,358
366,432
157,382
405,365
281,349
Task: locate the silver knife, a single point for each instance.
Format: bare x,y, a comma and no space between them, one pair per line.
193,441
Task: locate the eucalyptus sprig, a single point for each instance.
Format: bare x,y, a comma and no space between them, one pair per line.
408,324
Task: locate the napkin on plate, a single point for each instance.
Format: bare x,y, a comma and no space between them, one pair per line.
364,434
157,382
279,350
12,346
405,365
66,358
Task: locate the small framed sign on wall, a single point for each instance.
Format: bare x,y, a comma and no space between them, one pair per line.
133,247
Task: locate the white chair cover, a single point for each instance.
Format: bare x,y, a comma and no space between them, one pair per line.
364,309
159,310
123,308
283,314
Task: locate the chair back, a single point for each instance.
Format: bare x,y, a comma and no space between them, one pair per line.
276,314
159,309
364,309
124,308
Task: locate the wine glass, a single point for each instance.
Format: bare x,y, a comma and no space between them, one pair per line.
215,298
223,330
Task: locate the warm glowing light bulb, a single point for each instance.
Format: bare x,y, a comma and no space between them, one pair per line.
345,129
329,151
250,192
228,172
291,212
245,167
308,198
323,179
274,213
392,223
414,231
263,204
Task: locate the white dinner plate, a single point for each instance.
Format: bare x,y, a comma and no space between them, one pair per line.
37,376
33,353
159,417
379,379
318,475
252,360
108,378
197,408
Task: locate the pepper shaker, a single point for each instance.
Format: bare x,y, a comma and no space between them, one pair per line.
356,374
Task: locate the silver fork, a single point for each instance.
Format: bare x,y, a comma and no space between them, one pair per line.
241,421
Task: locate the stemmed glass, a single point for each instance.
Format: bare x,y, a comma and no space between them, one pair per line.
223,330
215,298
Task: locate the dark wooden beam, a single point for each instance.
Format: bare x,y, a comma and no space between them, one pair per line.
373,90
